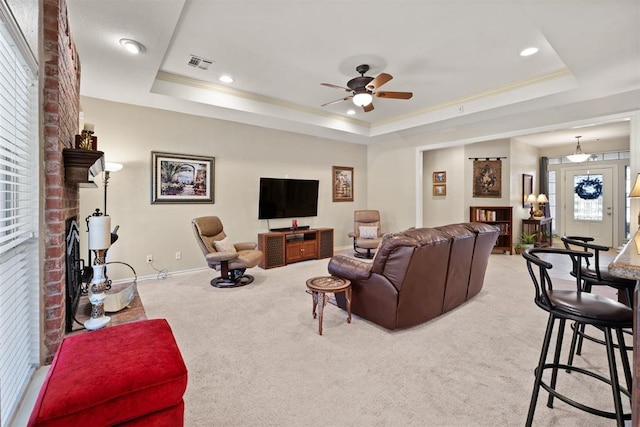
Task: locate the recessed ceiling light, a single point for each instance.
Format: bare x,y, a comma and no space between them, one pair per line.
529,51
351,112
226,79
133,46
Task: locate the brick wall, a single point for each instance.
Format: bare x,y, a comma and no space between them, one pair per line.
61,107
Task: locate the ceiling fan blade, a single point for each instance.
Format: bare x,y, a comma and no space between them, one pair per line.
396,95
379,80
336,87
336,101
368,107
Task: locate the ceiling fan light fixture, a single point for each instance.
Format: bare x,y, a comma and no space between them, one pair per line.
363,98
133,46
362,89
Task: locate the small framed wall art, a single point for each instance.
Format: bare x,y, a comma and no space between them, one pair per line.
439,189
342,183
181,178
439,177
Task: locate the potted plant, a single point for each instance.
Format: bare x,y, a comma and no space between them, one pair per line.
518,248
527,240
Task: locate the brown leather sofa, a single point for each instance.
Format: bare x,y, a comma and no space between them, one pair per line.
417,274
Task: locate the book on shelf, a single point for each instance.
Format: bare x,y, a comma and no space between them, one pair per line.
485,215
500,217
504,228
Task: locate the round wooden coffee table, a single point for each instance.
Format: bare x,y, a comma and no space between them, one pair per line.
320,286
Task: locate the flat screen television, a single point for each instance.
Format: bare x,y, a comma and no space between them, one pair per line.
287,198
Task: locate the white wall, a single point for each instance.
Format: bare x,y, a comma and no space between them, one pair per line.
481,150
455,160
127,134
591,147
442,210
392,186
524,159
387,177
410,151
520,158
27,14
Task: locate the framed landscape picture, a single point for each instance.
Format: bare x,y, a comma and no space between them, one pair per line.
181,178
342,183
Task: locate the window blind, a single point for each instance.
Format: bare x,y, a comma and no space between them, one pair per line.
19,295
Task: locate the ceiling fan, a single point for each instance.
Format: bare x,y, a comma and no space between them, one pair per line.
364,88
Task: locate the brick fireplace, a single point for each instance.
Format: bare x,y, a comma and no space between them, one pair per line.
60,85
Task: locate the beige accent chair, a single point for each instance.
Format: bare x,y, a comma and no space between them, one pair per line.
366,232
231,259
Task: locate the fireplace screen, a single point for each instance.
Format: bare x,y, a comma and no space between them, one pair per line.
75,267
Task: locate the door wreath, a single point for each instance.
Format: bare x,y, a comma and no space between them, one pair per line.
589,188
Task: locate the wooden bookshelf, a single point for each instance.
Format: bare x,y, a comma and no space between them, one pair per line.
501,217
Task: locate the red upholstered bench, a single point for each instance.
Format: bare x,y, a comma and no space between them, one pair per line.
131,375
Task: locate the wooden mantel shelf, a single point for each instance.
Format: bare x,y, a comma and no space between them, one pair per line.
79,164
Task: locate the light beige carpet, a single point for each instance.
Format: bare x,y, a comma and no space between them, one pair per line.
255,357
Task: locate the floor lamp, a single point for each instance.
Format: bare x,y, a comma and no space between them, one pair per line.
108,168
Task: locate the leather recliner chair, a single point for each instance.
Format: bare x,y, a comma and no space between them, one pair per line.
232,259
366,221
417,274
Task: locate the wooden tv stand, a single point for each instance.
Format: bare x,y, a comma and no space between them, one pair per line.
284,247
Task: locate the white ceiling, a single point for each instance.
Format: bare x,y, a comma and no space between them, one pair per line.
459,58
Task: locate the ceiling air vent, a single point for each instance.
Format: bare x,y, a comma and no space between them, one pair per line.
198,62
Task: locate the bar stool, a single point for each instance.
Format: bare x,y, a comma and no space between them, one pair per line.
597,275
585,308
594,275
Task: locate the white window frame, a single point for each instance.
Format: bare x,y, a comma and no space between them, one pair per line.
19,216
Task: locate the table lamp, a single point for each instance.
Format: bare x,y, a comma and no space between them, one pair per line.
531,199
635,193
99,242
542,200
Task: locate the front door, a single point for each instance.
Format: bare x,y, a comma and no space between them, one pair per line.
588,203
